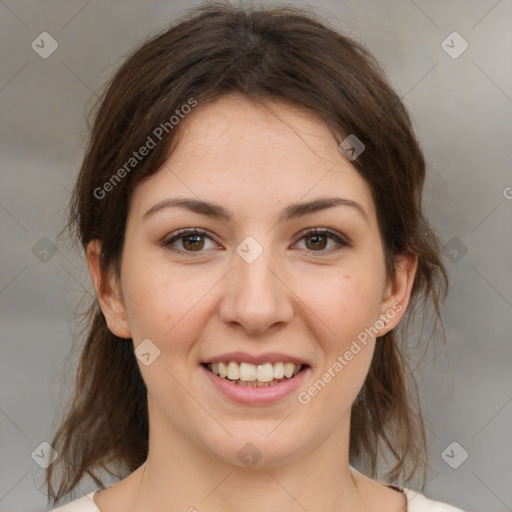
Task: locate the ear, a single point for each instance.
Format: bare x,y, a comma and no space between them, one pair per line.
108,292
398,291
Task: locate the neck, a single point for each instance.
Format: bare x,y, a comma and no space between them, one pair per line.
180,475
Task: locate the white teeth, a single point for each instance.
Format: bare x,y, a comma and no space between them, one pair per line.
278,370
248,371
233,371
223,370
267,374
289,369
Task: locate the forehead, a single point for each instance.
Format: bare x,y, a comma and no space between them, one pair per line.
234,150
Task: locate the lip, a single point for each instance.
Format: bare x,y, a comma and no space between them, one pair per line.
267,357
254,395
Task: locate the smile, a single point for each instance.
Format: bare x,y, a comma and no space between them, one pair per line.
248,374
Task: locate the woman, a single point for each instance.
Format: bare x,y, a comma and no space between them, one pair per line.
250,207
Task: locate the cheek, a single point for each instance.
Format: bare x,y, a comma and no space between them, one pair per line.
348,302
349,306
164,304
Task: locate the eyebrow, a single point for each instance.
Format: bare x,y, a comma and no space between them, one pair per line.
291,212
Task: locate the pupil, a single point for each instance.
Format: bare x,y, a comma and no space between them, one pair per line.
195,237
322,246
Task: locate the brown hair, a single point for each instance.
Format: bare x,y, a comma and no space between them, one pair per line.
285,54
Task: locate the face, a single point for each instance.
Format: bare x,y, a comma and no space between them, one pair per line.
256,284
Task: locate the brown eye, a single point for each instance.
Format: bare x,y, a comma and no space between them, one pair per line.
188,241
317,240
193,242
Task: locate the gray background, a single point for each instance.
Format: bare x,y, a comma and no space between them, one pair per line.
462,109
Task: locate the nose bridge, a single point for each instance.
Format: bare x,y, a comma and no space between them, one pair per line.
255,297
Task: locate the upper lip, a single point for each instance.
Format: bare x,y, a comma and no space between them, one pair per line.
267,357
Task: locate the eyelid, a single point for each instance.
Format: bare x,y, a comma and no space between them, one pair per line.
341,240
339,237
182,233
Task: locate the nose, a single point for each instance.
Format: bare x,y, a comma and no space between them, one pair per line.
257,297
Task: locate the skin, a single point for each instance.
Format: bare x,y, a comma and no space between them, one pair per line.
294,298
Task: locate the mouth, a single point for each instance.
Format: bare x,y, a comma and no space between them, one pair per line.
252,375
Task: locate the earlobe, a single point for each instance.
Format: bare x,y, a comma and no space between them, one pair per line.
398,291
108,292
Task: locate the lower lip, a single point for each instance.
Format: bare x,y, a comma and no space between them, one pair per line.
254,395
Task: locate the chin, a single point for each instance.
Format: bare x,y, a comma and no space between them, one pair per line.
258,447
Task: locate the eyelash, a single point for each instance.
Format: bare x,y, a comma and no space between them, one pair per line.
182,233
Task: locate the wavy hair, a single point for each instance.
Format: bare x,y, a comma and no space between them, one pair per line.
285,54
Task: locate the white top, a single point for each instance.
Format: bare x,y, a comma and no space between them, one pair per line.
416,502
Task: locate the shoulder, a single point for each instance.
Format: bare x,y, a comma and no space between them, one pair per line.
84,504
417,502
